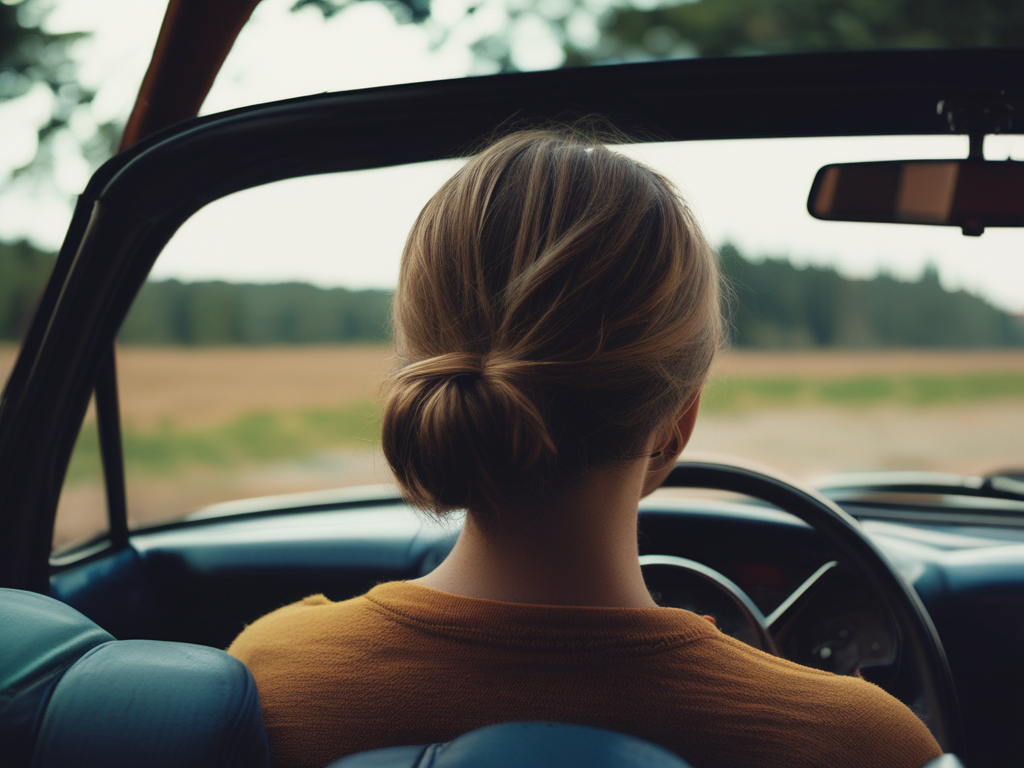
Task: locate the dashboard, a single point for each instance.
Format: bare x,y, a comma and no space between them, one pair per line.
203,580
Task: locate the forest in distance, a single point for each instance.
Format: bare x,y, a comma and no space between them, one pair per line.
772,304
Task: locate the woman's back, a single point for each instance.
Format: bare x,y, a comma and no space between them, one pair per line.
406,664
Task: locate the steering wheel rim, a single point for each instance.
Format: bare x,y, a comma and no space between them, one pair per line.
923,648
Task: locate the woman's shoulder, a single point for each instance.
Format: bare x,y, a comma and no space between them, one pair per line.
846,716
313,620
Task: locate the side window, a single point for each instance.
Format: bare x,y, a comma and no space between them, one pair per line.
251,361
82,508
23,273
8,354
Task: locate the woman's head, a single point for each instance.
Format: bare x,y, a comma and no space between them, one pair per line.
557,303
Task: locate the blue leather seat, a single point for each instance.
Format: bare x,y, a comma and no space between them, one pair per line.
524,745
71,695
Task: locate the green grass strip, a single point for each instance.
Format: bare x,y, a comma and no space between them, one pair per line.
747,394
258,438
264,438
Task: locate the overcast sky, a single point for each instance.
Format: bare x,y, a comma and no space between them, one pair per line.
348,230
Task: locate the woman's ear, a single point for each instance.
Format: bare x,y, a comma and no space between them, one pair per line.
670,444
685,424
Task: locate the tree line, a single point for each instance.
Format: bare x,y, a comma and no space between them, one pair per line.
23,273
211,313
771,304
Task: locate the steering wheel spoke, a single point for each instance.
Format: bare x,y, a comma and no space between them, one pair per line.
830,623
790,609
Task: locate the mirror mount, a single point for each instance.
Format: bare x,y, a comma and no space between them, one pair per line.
976,149
976,153
978,115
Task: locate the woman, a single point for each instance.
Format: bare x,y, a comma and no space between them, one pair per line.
555,320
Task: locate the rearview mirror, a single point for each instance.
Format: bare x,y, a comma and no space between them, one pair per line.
971,194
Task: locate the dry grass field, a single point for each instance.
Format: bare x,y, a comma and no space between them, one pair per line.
208,386
209,425
205,386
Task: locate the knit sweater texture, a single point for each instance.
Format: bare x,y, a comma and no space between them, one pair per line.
406,664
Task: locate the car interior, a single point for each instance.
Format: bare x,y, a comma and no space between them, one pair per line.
914,581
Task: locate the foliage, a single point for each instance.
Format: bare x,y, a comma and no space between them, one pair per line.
31,56
171,312
404,10
776,305
618,30
744,27
23,273
250,439
748,394
773,305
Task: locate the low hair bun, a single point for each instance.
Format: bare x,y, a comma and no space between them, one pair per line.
460,432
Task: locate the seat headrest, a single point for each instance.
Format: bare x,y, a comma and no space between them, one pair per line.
73,696
524,745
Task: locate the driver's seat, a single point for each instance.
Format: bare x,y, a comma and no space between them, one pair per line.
72,695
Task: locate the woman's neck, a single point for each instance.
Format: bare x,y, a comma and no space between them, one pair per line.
578,547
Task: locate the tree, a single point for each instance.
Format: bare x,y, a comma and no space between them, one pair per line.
32,58
618,30
776,305
743,27
23,272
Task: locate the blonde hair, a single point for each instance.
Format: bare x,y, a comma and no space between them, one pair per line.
556,303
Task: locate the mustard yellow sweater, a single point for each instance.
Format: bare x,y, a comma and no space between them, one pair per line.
405,664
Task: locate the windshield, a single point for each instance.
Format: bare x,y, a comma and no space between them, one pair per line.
250,364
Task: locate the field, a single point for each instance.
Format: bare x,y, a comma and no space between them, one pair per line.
208,425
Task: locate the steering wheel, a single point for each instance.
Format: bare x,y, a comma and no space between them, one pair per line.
920,641
702,585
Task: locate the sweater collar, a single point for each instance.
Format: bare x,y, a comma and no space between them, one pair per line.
547,627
